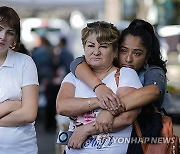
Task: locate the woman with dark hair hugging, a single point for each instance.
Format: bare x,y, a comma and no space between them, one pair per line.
139,49
78,101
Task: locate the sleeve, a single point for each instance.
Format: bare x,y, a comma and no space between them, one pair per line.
70,78
129,78
30,75
156,75
75,63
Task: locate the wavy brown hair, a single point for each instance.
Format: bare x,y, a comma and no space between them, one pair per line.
10,17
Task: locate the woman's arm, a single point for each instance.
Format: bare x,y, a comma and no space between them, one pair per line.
68,105
81,133
27,113
141,97
105,119
82,70
154,88
9,106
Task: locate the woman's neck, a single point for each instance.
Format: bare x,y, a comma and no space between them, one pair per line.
102,73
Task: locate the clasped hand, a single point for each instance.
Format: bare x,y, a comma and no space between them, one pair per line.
110,100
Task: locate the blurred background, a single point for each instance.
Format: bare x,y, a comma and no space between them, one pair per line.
50,33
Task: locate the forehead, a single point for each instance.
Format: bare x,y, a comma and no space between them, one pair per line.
95,38
6,23
92,37
134,41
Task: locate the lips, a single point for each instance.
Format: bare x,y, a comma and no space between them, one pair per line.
96,59
1,44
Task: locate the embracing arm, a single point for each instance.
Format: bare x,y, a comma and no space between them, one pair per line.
68,105
141,97
27,113
103,124
111,123
155,86
81,133
81,69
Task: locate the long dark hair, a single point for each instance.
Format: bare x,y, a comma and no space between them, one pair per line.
149,40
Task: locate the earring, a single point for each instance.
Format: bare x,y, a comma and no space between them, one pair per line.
13,46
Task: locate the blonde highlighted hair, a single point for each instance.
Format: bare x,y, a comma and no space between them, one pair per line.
106,33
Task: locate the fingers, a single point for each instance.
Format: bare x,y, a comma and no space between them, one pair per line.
114,112
111,101
103,128
105,95
74,144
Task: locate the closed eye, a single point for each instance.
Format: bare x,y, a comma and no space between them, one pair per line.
103,46
90,45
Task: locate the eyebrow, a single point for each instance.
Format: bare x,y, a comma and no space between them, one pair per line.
133,49
12,30
90,42
139,50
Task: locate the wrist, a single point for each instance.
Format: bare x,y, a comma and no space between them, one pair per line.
123,106
97,85
94,103
91,129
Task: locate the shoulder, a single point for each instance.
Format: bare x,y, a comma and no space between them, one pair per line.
70,78
154,71
21,56
20,59
154,68
127,70
129,77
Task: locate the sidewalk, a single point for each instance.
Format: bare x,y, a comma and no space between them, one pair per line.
46,140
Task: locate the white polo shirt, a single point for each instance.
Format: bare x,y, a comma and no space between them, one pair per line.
17,71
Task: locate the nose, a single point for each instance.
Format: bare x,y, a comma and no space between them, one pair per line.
129,58
2,35
96,51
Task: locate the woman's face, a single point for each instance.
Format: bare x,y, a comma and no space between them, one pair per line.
7,37
132,54
98,56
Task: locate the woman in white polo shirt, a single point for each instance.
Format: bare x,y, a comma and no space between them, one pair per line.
79,102
18,90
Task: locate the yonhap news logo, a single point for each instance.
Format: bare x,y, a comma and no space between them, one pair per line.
153,140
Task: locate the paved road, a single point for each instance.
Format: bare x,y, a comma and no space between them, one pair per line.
46,140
